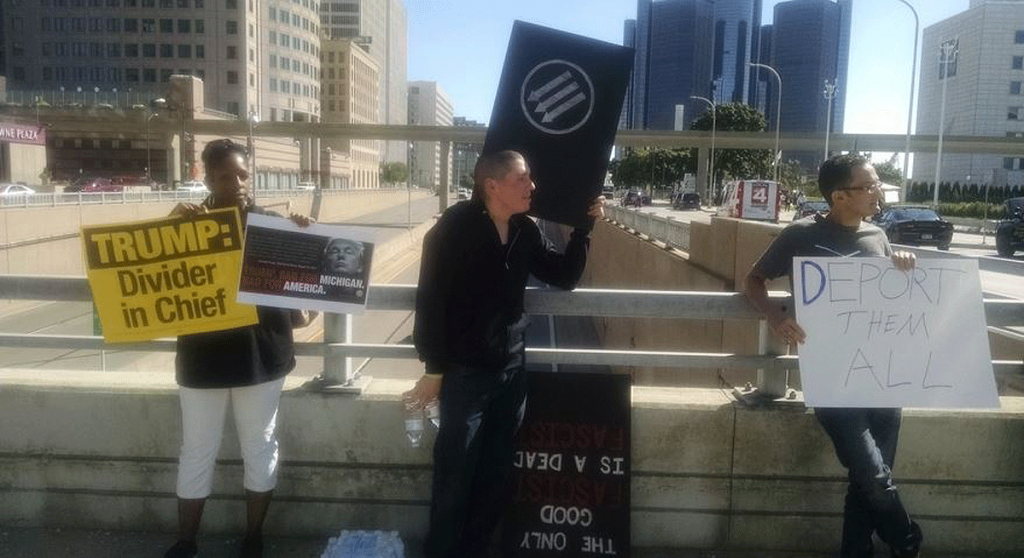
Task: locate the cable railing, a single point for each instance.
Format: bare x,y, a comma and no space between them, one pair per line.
337,348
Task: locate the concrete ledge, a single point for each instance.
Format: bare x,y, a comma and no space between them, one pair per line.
99,451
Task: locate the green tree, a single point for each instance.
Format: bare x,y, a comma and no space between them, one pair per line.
393,173
735,163
888,171
650,168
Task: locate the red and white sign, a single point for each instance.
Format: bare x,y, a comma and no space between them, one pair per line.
758,199
22,133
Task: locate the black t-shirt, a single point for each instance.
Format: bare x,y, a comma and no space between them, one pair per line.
816,236
241,356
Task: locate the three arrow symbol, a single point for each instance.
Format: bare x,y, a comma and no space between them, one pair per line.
537,94
555,101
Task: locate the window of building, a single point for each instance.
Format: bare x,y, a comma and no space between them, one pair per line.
166,4
131,25
273,60
131,3
96,50
47,73
234,109
1015,88
148,50
285,63
252,31
272,12
184,51
296,66
252,80
1015,113
231,4
166,50
295,21
148,25
273,84
96,74
167,26
113,50
1018,37
79,24
184,26
296,43
131,50
201,74
149,75
60,73
283,17
165,75
131,74
19,73
286,86
232,78
45,24
78,49
46,49
252,55
232,52
1018,63
1008,163
114,75
200,26
96,25
183,4
272,36
232,27
113,25
284,40
148,3
200,51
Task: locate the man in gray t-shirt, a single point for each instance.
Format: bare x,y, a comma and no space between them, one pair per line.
864,439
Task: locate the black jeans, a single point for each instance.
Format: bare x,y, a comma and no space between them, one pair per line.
481,410
865,442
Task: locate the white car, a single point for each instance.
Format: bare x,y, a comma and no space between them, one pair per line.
194,186
11,190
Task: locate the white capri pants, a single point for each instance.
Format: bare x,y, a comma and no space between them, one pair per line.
202,422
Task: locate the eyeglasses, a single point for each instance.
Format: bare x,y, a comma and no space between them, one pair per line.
875,186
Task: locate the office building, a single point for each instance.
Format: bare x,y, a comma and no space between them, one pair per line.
264,63
673,61
428,106
808,48
737,38
380,28
465,154
350,82
983,78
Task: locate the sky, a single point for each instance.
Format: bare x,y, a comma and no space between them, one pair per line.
461,45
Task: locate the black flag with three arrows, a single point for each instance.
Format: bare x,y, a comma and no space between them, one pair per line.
558,103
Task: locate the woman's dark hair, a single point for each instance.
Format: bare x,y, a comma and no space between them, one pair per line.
836,173
494,165
218,151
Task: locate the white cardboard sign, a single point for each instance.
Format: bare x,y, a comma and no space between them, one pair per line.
881,337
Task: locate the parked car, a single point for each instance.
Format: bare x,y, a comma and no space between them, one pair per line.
194,186
1010,231
463,194
14,190
100,185
631,196
307,186
919,225
811,207
686,200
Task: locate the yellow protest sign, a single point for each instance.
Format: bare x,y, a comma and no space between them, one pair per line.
166,277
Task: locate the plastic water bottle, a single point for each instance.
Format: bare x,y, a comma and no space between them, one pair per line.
414,426
434,413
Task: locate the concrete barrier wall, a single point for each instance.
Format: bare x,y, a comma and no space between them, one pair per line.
100,452
64,257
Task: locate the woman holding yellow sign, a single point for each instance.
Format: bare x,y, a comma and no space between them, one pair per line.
244,365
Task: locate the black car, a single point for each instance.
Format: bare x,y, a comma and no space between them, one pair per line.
686,200
1010,231
810,207
919,225
631,196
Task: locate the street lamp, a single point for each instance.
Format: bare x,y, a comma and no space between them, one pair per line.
910,108
714,125
948,52
253,120
830,93
778,114
149,160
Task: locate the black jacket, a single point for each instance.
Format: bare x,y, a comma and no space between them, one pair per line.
471,287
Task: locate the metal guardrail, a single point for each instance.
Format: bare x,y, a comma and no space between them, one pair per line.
666,229
337,348
53,199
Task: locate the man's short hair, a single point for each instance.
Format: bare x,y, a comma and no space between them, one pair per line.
218,151
494,165
836,173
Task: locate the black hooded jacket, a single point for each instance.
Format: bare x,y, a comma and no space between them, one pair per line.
469,302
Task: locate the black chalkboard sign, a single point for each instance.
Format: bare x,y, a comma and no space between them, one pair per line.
570,481
558,103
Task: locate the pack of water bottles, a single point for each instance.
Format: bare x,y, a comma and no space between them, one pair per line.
365,544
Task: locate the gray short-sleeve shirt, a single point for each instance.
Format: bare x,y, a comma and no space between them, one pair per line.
817,236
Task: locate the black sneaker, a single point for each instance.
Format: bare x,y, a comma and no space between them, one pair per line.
182,549
252,547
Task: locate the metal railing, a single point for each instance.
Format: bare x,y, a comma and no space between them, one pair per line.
53,199
665,229
337,349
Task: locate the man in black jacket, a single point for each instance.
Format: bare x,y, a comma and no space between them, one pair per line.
469,332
